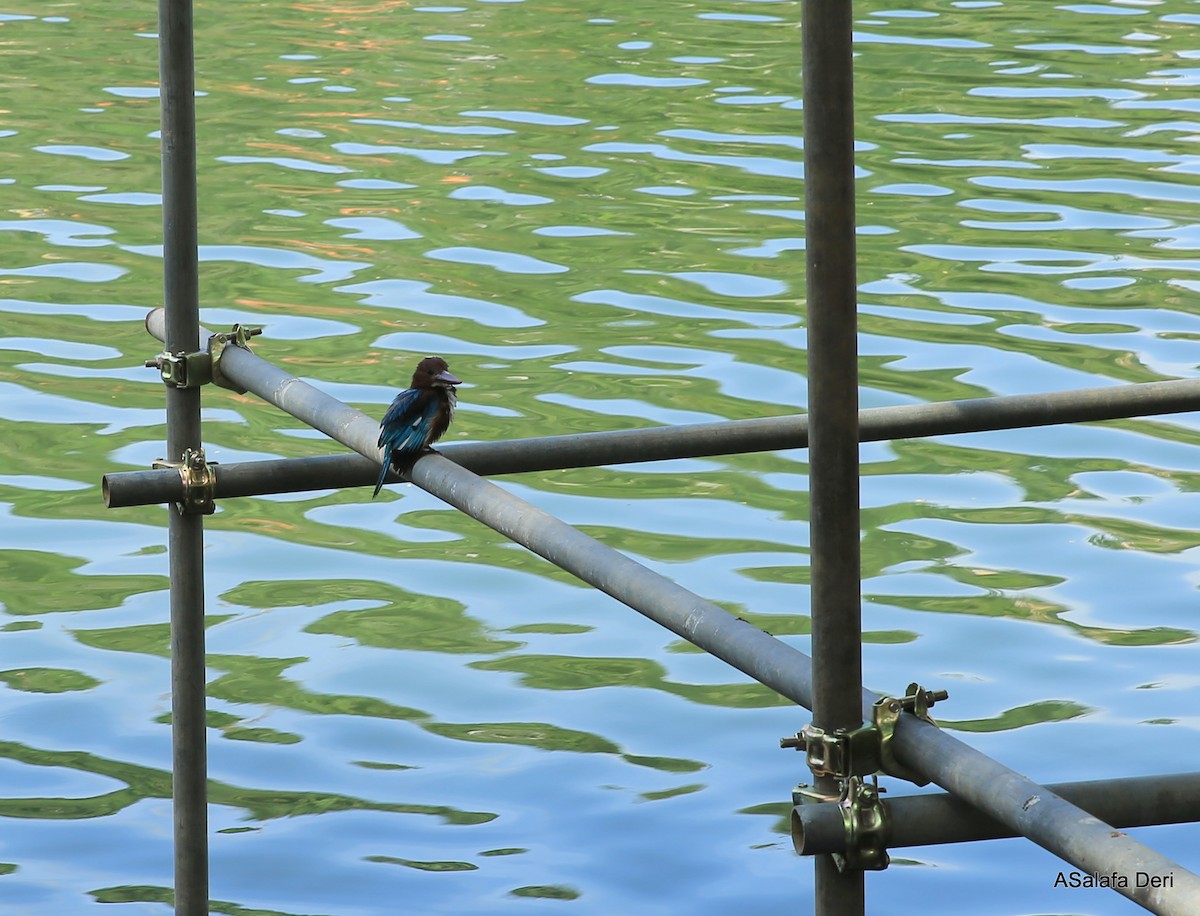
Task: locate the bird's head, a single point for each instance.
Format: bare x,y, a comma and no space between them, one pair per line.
434,372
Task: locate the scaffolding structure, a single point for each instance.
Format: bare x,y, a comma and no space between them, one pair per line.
841,819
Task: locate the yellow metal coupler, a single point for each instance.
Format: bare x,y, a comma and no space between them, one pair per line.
868,748
864,820
199,481
841,753
191,370
885,713
849,755
868,830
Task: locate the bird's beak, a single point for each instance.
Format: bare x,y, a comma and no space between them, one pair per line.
445,378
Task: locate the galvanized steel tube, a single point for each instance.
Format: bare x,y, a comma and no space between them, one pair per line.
833,526
134,488
832,364
185,532
513,456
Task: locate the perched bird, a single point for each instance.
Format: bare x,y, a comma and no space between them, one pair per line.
419,415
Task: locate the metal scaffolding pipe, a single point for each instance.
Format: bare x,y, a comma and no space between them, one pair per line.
832,290
123,489
935,819
1026,807
185,536
1077,405
1034,811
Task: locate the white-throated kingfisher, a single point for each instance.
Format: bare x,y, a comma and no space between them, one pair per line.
419,415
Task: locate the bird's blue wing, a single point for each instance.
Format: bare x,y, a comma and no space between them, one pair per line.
406,427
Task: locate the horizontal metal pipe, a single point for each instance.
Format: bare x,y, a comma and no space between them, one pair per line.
137,488
287,475
1026,807
242,478
935,819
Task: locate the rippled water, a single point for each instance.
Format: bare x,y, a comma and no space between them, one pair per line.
595,212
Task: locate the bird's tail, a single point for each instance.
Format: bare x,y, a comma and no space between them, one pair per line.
383,471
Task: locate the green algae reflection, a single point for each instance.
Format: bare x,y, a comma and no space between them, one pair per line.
143,782
546,892
1020,716
37,582
149,893
424,866
47,680
253,681
402,619
573,672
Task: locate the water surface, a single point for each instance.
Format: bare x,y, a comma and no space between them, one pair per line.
595,213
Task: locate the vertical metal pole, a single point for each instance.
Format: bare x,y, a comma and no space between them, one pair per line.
833,399
186,531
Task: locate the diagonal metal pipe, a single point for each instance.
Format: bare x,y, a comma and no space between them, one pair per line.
1054,823
1019,803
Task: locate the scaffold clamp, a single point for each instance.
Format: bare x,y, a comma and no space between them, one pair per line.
237,336
867,749
841,753
191,370
866,821
885,713
182,369
199,481
864,817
